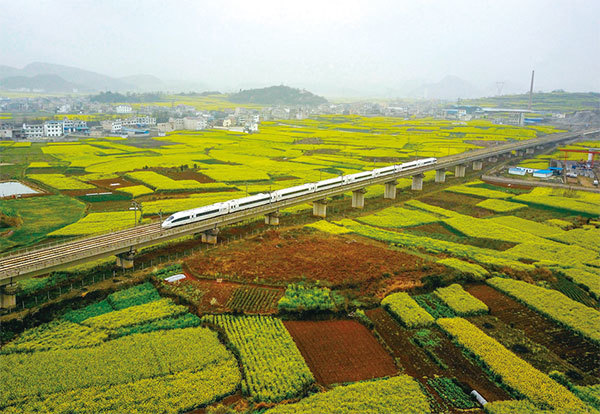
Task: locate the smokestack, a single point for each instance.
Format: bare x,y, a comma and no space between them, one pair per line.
531,89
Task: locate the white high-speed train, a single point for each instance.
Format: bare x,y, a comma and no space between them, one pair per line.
257,200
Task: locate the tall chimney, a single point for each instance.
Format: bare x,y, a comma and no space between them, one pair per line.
531,89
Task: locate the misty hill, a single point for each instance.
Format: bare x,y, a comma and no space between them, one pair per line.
144,82
277,95
91,80
46,83
449,88
543,101
60,78
115,97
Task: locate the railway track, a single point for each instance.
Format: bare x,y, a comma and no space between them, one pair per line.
45,259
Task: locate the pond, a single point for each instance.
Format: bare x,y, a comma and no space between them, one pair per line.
11,188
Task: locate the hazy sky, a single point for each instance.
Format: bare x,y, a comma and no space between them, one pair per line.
323,44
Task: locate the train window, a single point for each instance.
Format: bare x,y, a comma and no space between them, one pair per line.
181,219
254,201
207,212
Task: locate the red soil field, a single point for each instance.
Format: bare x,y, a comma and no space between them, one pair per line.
340,351
569,346
281,258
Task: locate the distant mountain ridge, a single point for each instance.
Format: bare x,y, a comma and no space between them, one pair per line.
277,95
51,77
46,83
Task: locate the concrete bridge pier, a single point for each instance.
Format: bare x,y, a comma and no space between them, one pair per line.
460,170
493,159
417,182
210,236
477,165
389,191
8,296
440,175
125,260
320,208
358,198
529,151
272,218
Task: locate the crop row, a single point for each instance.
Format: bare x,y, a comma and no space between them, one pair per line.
555,305
162,183
273,366
136,190
500,206
529,226
60,181
327,227
466,268
460,301
407,310
449,390
298,297
136,295
432,209
477,191
487,229
587,277
253,299
401,394
59,334
134,315
169,394
544,199
515,372
398,217
95,223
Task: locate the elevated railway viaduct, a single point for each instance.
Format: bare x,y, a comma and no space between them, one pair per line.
123,243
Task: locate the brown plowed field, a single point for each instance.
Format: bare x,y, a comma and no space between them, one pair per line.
107,183
419,365
573,348
340,351
281,258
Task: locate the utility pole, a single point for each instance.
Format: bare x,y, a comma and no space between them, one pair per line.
531,89
135,206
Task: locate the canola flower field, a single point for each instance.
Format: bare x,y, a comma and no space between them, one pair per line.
274,367
282,154
371,397
123,354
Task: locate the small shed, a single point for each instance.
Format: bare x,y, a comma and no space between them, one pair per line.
516,171
543,173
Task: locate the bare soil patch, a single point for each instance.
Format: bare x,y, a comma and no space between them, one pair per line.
186,175
569,346
282,258
112,183
340,351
